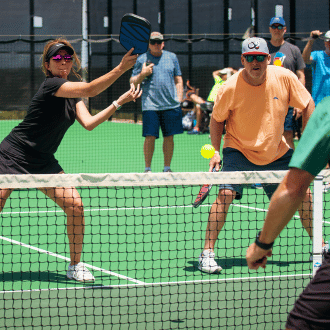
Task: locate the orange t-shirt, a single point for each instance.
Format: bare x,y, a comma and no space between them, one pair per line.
255,115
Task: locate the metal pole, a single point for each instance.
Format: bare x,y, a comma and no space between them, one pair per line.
84,46
32,49
317,222
190,31
226,32
293,19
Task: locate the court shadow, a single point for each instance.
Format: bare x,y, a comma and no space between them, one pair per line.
45,276
228,263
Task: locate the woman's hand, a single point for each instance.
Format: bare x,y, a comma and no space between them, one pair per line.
128,60
131,95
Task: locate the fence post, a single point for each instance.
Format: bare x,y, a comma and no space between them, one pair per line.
317,222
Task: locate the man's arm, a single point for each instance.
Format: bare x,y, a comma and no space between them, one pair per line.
301,76
216,130
307,112
308,48
145,72
179,87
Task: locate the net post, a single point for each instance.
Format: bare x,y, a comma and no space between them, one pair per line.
317,222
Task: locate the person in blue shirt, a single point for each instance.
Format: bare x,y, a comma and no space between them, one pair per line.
158,71
319,61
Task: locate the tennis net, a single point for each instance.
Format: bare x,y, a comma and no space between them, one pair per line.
142,241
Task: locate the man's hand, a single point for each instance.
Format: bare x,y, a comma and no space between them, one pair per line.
147,69
257,257
215,162
315,34
297,113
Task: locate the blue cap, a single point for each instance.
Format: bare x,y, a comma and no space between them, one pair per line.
277,20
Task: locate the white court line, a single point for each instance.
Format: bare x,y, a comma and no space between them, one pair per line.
219,280
68,259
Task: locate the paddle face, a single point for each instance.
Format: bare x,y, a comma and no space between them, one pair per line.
203,192
135,32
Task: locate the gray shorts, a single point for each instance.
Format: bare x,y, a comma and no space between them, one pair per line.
234,160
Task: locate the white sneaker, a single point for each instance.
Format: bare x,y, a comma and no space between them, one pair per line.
207,263
79,273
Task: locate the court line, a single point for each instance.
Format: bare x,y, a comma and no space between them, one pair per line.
144,284
68,259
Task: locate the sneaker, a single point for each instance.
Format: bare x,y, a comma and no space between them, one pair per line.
194,131
147,171
207,264
325,249
79,273
168,171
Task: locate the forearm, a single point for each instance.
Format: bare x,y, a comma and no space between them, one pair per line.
179,91
100,84
136,80
306,54
307,112
216,130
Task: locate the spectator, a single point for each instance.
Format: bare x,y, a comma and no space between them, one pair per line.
288,56
254,104
319,61
158,72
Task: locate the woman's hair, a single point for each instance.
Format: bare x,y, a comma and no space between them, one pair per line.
76,63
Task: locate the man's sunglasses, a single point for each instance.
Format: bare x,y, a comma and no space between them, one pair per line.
154,42
279,27
58,57
251,58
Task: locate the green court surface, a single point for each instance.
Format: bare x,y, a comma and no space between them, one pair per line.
142,247
116,147
143,251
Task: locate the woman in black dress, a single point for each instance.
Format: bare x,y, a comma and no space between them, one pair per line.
29,148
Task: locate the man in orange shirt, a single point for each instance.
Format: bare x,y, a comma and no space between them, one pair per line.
254,103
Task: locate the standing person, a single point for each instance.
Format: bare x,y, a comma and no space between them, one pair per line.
29,148
289,56
254,104
158,71
319,61
312,309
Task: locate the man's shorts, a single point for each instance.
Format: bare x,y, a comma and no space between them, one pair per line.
170,122
234,160
313,151
288,123
312,309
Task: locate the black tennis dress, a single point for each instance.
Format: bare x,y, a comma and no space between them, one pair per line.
29,148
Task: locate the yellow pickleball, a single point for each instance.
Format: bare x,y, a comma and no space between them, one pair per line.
207,151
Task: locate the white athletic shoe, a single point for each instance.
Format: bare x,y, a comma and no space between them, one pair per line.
207,263
80,273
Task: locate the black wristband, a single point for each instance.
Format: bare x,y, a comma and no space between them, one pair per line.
263,246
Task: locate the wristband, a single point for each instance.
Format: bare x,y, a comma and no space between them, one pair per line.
116,105
263,246
217,152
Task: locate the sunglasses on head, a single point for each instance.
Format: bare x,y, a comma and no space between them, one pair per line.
58,57
154,42
251,58
279,27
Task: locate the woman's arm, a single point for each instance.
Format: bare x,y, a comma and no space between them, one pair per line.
81,89
89,122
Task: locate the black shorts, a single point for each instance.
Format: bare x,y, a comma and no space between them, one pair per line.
16,161
312,309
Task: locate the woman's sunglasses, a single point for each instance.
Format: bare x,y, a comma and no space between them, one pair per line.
251,58
154,42
58,57
279,27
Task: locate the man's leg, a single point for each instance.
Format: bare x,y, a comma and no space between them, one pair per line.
217,218
168,148
148,148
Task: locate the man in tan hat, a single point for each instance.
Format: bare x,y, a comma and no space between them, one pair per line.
254,104
158,71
